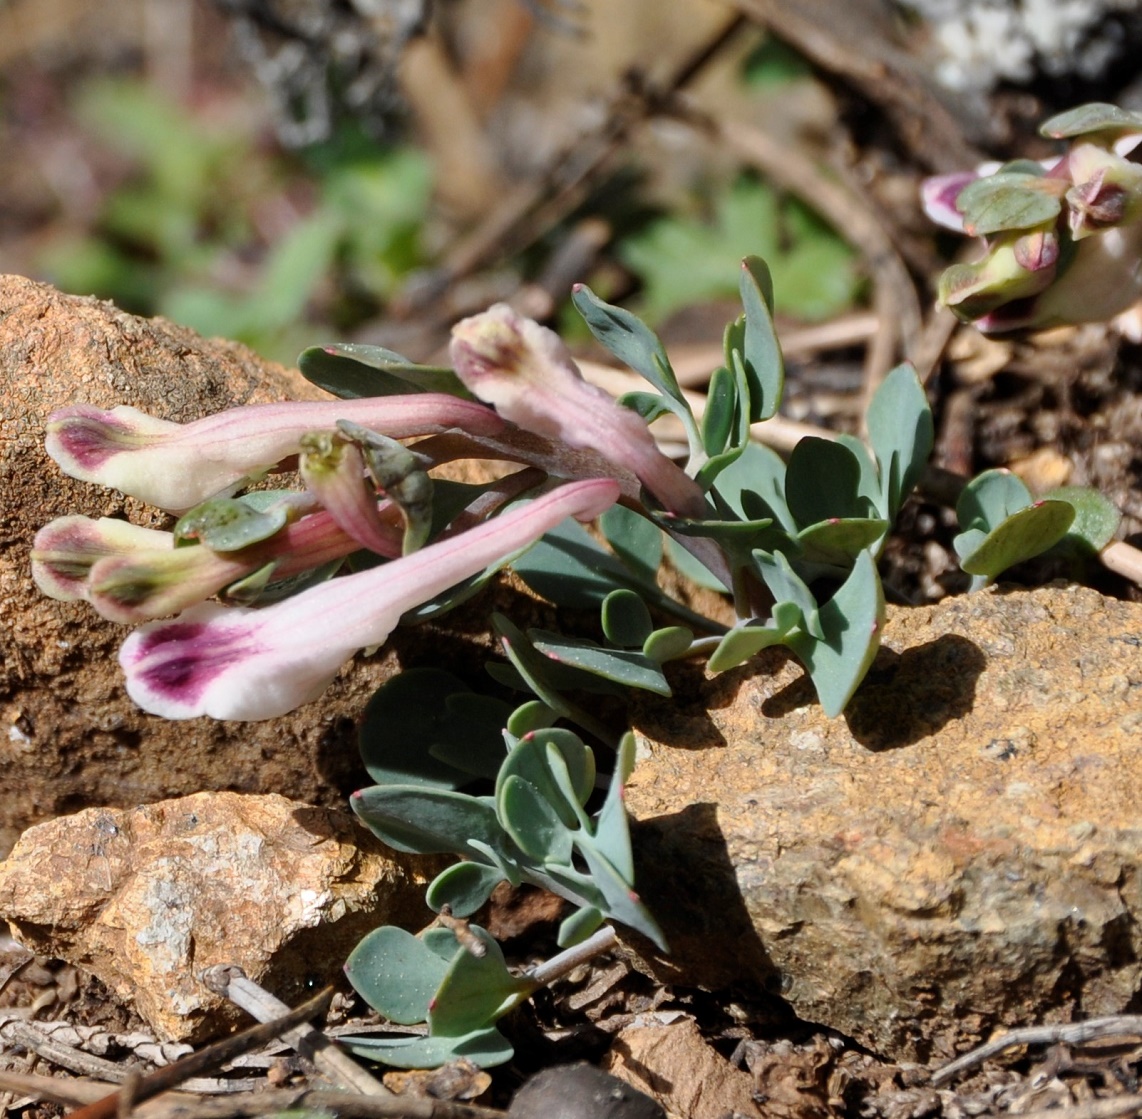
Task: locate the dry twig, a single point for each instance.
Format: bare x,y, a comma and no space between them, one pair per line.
1073,1033
138,1088
181,1105
232,983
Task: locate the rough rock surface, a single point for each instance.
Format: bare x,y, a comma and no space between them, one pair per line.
69,736
959,852
147,898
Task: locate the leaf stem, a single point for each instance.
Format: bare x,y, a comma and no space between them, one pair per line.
569,959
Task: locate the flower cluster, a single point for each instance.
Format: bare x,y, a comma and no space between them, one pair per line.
366,487
1063,238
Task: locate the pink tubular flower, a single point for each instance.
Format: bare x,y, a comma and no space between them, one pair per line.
154,584
238,663
177,466
65,550
526,372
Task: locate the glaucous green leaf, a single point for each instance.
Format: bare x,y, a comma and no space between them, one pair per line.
548,680
531,716
761,352
427,727
424,820
531,822
668,644
626,620
852,621
901,432
463,887
623,666
636,541
649,405
352,370
822,482
475,991
718,418
1026,533
396,974
227,524
760,472
531,760
485,1048
578,926
612,830
869,485
622,903
838,542
737,646
990,498
503,860
569,568
1098,116
1096,516
736,538
1008,201
787,586
628,338
248,590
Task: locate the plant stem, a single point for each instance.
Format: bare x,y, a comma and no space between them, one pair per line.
572,957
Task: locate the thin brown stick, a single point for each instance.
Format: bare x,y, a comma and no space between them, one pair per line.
232,983
182,1105
842,39
65,1056
348,1104
934,339
1073,1033
72,1092
535,206
213,1056
1110,1108
1123,559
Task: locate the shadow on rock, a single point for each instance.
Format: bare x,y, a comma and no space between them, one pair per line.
682,856
907,697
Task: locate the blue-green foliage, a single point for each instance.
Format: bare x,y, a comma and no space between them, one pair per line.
1003,524
426,735
434,979
821,518
508,789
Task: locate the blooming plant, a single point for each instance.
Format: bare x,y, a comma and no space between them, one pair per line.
1063,238
794,544
273,591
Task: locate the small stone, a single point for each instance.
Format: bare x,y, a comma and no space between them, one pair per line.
581,1091
680,1069
956,854
146,899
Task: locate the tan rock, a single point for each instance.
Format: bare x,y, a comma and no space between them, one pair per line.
146,899
958,853
69,735
675,1065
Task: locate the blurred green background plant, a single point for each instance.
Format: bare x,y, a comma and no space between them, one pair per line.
168,193
237,240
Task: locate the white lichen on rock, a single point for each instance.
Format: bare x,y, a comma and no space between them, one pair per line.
982,42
